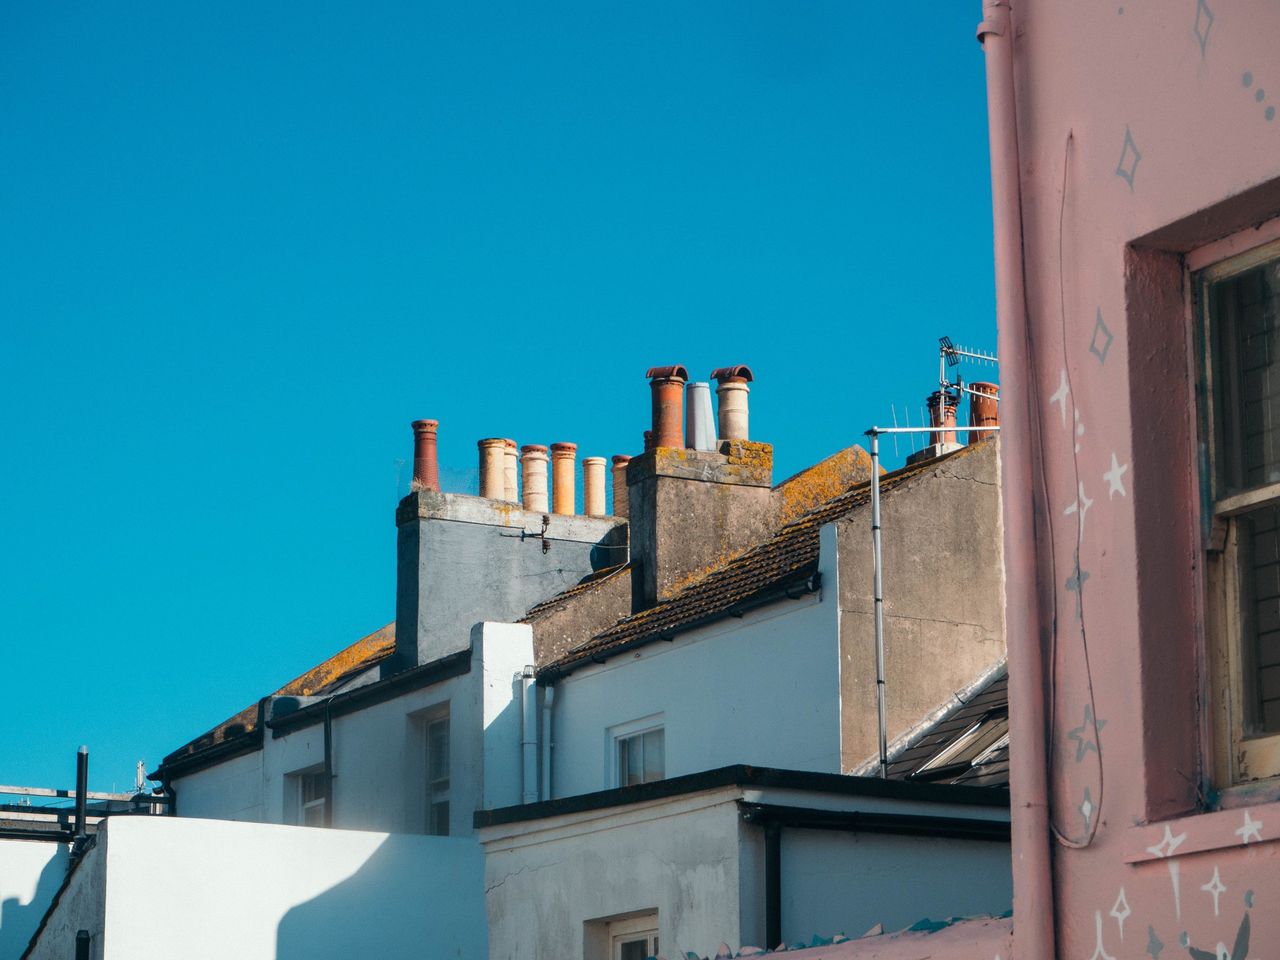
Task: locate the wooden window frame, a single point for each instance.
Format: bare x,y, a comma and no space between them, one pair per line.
1240,755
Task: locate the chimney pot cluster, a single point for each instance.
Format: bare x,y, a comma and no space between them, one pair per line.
669,416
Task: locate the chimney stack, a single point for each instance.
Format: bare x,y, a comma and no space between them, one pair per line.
667,384
593,487
942,413
731,392
562,457
510,472
620,462
426,466
533,460
493,464
699,424
984,410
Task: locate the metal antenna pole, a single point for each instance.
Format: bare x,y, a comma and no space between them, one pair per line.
877,595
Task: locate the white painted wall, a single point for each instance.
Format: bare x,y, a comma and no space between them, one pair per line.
546,879
30,873
82,906
763,690
379,752
198,889
693,859
846,883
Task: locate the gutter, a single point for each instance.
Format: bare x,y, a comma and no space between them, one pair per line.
793,587
1034,934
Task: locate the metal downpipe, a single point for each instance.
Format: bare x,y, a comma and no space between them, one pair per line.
877,599
1033,930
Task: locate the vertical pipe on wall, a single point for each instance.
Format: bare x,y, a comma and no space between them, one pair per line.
1028,776
548,699
82,789
772,885
528,737
877,600
83,942
327,820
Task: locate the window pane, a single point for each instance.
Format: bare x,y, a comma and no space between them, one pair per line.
1260,616
1244,318
653,756
313,815
439,825
635,949
635,760
438,750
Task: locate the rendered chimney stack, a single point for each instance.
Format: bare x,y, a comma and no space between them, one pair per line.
699,423
620,505
984,410
593,487
667,384
533,463
562,458
426,465
493,465
731,393
942,413
510,471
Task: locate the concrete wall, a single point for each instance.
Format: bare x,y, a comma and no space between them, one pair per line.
679,857
196,889
943,597
461,560
1144,133
30,873
846,883
379,753
692,859
763,689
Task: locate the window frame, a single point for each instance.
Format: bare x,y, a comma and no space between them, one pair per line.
434,794
299,780
616,735
632,929
1241,756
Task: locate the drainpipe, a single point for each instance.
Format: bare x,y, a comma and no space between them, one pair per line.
528,737
1028,773
548,698
328,763
82,789
772,885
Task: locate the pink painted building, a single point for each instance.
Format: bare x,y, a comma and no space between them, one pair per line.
1136,176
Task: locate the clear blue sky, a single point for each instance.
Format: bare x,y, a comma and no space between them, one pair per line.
243,245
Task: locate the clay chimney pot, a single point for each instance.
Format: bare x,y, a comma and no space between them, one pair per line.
667,386
426,466
533,475
562,457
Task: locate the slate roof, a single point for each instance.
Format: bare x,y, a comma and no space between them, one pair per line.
587,583
786,560
325,678
969,744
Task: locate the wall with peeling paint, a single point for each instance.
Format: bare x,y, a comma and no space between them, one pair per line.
1146,130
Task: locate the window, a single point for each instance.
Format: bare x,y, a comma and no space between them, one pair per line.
634,939
1238,304
313,795
640,757
437,768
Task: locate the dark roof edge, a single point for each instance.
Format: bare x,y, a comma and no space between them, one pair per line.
228,749
874,821
810,581
396,685
743,775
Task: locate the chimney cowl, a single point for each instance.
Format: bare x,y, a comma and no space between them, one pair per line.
740,374
674,372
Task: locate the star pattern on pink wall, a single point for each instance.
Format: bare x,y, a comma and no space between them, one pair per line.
1130,157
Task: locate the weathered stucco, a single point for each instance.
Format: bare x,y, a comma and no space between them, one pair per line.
943,597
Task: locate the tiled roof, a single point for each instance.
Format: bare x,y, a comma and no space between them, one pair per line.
588,582
969,744
328,676
788,558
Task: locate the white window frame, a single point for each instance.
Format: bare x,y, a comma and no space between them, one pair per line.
298,781
437,790
625,731
1240,755
632,929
